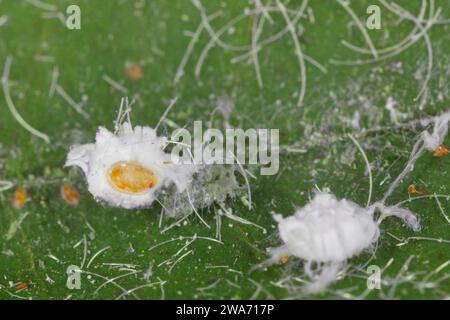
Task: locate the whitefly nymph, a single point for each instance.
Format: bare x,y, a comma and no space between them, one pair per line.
327,232
129,168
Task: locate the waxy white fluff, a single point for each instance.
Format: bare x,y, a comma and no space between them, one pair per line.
141,145
327,232
328,229
440,128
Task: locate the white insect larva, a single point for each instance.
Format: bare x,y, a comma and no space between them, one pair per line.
327,232
128,169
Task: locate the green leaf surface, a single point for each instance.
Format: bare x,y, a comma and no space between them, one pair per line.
40,241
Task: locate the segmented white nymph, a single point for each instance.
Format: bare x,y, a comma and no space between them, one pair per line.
129,168
328,230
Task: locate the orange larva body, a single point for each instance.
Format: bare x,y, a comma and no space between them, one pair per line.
284,259
20,286
440,152
413,189
70,194
19,198
134,72
131,177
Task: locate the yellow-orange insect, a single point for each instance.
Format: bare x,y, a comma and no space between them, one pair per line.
440,152
131,177
70,194
134,72
19,197
20,286
413,189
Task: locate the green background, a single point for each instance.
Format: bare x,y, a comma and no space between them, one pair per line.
153,34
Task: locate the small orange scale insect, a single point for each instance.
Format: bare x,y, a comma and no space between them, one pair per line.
413,189
131,177
70,194
440,152
284,259
19,197
133,72
20,286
